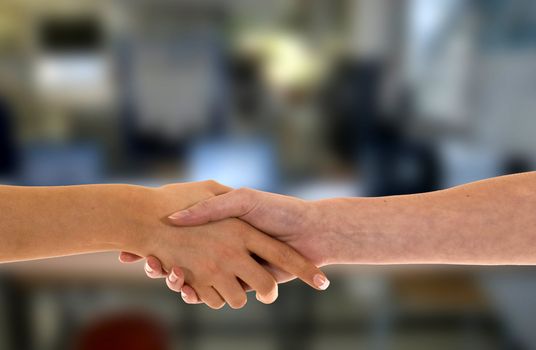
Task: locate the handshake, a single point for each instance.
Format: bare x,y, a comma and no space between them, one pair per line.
225,242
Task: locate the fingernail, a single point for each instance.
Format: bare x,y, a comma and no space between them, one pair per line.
187,298
172,277
259,298
321,282
179,215
148,268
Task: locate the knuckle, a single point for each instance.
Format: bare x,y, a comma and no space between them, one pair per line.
246,202
212,268
212,185
227,253
242,235
244,192
203,205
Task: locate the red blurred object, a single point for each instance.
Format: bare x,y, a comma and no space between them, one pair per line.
125,331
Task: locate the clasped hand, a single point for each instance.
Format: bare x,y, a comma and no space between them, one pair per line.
213,252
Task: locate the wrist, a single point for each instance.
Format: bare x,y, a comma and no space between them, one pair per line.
343,228
145,212
136,221
322,231
380,230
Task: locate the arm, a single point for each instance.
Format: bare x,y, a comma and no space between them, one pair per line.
45,222
39,222
486,222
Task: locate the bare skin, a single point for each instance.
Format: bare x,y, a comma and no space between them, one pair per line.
215,258
490,222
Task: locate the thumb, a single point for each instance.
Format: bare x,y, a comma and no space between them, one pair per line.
235,203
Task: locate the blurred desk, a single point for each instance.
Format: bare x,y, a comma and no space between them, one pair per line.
96,267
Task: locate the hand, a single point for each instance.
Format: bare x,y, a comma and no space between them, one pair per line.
175,278
288,219
230,243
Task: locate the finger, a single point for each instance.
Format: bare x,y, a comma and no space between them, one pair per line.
260,280
189,295
287,259
232,292
126,257
280,276
231,204
210,297
175,279
153,268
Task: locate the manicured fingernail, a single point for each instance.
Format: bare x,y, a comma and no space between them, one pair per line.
172,277
187,298
179,215
321,282
148,268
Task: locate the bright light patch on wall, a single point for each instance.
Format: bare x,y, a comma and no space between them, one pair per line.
288,62
74,79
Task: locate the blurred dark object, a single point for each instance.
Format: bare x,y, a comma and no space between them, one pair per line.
8,153
391,162
70,35
517,164
246,84
396,165
350,103
133,332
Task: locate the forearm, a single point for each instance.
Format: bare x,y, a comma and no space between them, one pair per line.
487,222
38,222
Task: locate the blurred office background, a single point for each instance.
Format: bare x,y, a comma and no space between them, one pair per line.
313,98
